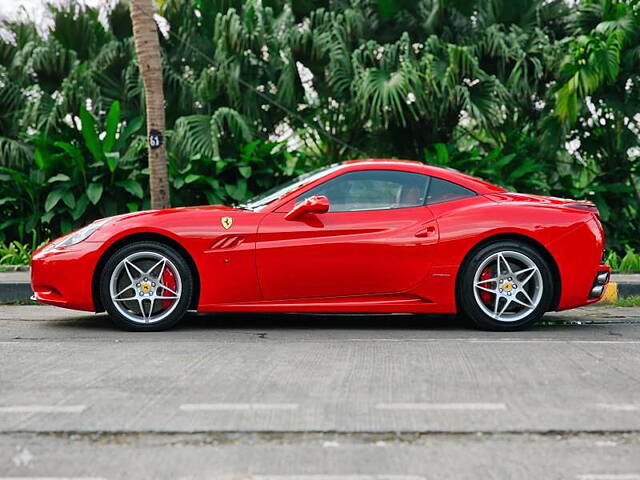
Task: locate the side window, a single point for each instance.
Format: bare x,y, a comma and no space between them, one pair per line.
445,191
372,190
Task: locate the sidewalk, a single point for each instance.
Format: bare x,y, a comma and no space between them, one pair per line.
15,287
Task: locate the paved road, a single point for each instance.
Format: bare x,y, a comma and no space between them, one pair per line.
332,398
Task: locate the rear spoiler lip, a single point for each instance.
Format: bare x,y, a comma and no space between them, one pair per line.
544,200
584,205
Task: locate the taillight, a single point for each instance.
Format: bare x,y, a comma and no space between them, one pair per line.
585,206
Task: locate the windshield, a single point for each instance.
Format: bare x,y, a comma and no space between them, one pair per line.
281,190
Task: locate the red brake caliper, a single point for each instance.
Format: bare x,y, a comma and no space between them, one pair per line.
169,280
484,295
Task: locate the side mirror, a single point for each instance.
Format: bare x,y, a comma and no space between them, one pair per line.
315,204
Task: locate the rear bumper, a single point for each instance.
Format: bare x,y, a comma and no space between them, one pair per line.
578,256
64,277
600,283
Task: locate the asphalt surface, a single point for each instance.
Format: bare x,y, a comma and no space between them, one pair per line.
319,397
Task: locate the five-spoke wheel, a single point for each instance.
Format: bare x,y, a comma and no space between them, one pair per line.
514,287
143,293
146,286
505,285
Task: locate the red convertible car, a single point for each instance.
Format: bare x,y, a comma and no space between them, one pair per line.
377,236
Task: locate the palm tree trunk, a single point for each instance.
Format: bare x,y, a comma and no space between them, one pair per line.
145,35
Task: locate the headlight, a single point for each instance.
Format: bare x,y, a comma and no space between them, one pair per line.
80,235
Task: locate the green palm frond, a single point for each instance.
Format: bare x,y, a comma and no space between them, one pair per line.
387,83
14,153
603,16
78,29
201,134
595,60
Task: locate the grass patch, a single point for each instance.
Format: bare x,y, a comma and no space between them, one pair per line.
632,301
21,302
13,268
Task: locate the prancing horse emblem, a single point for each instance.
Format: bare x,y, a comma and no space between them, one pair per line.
226,222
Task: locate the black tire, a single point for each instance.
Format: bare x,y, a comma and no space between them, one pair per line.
178,310
468,304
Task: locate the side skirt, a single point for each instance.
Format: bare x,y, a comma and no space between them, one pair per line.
363,304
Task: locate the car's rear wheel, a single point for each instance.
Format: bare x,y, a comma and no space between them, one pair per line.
146,286
506,285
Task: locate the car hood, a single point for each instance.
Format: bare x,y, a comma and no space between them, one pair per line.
177,210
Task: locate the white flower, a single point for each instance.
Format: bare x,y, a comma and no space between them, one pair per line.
265,53
57,97
68,119
32,93
163,25
628,85
572,146
304,26
7,36
411,98
284,57
188,73
306,78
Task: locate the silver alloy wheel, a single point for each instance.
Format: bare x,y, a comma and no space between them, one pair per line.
138,290
514,287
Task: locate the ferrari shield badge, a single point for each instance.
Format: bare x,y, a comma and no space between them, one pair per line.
226,222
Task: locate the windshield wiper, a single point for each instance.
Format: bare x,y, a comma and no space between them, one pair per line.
242,206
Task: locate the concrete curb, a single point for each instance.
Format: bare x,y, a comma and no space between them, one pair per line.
628,289
15,286
15,292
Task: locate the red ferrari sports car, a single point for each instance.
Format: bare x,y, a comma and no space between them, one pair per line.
377,236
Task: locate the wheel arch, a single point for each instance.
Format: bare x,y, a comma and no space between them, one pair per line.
138,237
555,272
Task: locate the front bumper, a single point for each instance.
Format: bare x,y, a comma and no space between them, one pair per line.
64,277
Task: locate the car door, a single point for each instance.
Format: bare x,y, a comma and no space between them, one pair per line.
376,238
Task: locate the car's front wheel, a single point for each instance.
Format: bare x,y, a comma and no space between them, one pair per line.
146,286
506,285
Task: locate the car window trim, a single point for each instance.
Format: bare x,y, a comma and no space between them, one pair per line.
426,198
428,186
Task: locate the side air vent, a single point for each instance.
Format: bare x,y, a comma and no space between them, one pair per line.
226,242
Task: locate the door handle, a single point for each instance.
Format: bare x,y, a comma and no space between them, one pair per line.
426,232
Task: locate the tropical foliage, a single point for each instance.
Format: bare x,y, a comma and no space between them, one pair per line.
16,253
628,263
531,94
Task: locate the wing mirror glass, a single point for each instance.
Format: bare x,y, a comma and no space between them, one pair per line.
315,204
